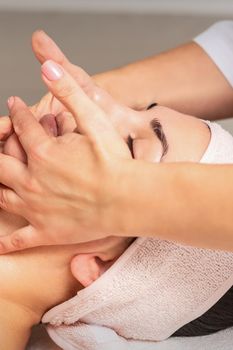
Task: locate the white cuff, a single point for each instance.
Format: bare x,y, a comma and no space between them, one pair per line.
217,42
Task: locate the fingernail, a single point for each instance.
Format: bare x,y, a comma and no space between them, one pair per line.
52,71
10,102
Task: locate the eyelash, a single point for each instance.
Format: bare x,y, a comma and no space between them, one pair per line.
130,145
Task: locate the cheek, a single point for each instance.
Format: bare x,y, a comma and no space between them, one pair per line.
148,150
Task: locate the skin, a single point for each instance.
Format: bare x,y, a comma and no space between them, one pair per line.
32,282
43,46
184,78
30,276
179,178
5,123
99,136
194,89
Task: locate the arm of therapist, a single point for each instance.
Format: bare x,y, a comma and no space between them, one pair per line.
72,196
184,78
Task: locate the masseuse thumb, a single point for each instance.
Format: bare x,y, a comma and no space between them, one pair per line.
90,118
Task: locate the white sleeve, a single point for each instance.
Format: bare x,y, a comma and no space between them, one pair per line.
217,42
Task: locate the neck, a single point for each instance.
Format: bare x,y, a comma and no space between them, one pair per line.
16,323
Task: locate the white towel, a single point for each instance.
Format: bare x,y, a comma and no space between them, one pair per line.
151,291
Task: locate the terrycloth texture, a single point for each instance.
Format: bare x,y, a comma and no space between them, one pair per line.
152,290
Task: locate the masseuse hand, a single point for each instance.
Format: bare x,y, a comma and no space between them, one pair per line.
44,49
70,188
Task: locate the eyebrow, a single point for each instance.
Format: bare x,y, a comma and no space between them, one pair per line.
158,131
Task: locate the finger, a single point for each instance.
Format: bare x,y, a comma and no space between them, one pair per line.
65,123
6,128
49,124
11,202
30,133
24,238
14,149
13,173
45,49
90,119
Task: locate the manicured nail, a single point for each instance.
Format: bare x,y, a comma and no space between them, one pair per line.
52,71
10,102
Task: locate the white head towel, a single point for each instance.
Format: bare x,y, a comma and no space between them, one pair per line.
151,291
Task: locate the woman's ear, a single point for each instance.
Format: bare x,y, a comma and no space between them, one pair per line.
87,268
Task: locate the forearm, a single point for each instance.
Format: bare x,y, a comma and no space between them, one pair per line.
188,203
184,78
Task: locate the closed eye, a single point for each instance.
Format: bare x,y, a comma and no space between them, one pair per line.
130,145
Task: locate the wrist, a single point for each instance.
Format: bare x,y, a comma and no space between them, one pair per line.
133,205
149,195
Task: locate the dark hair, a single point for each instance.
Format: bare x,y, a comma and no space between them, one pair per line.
219,317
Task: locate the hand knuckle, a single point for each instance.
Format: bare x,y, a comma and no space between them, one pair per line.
39,152
35,153
31,185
